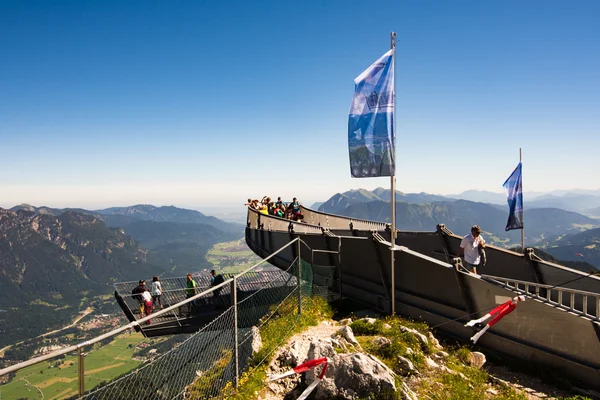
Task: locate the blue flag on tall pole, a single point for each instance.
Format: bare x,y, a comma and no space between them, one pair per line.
514,195
371,136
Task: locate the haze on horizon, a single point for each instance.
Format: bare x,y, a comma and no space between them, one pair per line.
196,104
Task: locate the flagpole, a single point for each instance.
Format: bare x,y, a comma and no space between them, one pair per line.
522,219
393,177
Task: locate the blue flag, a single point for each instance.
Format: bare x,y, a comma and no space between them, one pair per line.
514,194
371,137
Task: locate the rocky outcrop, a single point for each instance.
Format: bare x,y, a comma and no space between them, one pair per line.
256,340
347,335
406,366
477,359
356,375
422,338
349,375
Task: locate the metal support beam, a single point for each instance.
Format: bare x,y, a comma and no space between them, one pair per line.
235,331
299,278
81,371
340,267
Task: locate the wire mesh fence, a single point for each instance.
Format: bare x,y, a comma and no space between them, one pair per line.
205,355
213,358
202,366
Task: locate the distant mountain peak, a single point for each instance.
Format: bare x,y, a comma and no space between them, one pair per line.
123,216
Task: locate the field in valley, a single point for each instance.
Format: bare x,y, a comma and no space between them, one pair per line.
57,379
232,257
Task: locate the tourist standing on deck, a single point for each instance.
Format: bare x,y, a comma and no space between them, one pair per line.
137,294
147,298
156,292
471,247
190,291
214,281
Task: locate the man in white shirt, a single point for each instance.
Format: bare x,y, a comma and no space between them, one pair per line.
469,247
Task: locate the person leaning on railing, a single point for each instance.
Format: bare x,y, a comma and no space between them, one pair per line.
137,295
253,204
294,210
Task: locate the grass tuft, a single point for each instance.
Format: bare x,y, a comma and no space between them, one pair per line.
275,333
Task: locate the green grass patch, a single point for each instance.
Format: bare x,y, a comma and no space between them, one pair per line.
583,227
202,387
275,333
42,303
435,385
232,257
361,327
57,379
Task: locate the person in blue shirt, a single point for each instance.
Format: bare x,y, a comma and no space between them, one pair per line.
294,210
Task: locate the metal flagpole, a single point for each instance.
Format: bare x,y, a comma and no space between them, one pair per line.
393,177
523,216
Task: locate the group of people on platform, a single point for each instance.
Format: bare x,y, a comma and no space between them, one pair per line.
149,299
277,208
191,291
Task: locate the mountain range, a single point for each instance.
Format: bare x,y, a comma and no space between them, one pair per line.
582,246
123,216
550,228
581,201
52,261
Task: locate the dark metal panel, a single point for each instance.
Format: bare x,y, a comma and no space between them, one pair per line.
539,325
435,292
553,274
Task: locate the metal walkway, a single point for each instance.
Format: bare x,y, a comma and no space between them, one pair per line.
190,317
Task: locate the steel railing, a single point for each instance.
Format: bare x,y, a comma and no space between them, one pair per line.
582,303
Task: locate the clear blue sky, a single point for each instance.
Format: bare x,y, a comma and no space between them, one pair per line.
209,102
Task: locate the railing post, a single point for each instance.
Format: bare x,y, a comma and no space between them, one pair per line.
560,297
299,279
585,306
572,301
340,267
80,371
235,330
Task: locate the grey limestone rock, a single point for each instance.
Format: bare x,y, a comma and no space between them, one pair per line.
422,338
346,333
355,375
407,366
256,340
381,341
477,359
